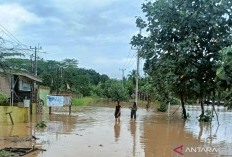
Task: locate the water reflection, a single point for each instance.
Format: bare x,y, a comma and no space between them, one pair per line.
133,134
218,136
117,131
93,129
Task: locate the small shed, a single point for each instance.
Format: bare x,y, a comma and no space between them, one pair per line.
20,87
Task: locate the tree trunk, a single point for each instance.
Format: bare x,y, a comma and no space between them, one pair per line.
148,101
213,104
202,108
183,107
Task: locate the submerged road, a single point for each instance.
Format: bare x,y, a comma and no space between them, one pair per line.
92,132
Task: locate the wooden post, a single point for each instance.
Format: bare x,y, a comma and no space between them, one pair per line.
50,110
10,117
70,107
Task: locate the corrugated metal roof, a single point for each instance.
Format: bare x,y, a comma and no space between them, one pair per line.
21,73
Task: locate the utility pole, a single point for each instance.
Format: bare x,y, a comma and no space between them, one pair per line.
35,62
137,73
57,81
31,63
123,70
33,93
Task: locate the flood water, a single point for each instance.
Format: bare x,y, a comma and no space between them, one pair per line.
92,132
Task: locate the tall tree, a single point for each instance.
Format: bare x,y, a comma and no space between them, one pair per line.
182,48
224,75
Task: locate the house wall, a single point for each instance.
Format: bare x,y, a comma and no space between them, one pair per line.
19,114
24,93
43,92
5,85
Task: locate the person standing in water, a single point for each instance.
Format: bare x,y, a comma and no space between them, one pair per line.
117,112
133,110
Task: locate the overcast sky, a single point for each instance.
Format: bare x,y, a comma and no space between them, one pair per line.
95,32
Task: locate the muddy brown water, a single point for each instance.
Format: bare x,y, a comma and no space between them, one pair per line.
92,132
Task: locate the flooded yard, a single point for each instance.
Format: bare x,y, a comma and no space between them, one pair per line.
92,132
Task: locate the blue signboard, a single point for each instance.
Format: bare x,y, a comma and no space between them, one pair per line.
55,101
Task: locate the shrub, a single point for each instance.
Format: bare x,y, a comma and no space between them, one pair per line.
4,153
162,107
3,98
174,101
41,124
207,117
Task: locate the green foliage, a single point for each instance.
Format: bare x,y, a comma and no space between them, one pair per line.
82,101
8,55
147,88
182,50
69,63
97,91
224,74
57,75
41,124
132,77
140,23
162,107
116,91
3,98
18,63
4,153
128,84
206,118
88,82
191,102
174,101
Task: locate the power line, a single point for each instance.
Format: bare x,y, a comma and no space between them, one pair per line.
127,58
12,45
11,36
123,70
131,62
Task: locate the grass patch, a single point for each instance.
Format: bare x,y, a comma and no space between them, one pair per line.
82,101
4,153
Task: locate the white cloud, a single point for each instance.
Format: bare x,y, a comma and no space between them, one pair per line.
109,38
83,4
95,32
12,16
106,61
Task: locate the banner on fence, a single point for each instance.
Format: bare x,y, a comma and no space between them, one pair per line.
55,101
67,100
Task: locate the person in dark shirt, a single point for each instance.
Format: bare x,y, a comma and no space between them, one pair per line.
133,110
117,112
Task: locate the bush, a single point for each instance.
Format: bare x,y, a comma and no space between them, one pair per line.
206,118
41,124
3,98
97,91
4,153
162,107
191,102
174,101
117,92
